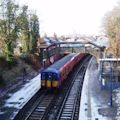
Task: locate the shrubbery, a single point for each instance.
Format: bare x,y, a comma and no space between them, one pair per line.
32,60
2,81
26,59
7,64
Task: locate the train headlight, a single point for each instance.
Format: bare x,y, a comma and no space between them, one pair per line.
43,82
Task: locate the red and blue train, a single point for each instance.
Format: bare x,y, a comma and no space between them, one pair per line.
54,75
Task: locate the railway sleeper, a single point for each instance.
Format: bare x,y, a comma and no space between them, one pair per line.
41,107
67,112
65,118
33,118
68,105
66,115
41,110
66,109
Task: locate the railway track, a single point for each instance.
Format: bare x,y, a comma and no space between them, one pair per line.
38,111
60,105
68,104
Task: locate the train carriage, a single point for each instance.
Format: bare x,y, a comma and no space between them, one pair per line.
54,75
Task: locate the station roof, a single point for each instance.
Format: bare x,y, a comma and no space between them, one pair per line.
110,59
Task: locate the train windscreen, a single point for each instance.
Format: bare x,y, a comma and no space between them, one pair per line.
49,76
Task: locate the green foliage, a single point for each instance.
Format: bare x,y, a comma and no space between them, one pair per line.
34,29
26,58
8,32
17,25
23,23
4,64
2,81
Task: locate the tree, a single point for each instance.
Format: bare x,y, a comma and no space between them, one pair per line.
8,28
23,24
34,30
112,28
17,24
29,29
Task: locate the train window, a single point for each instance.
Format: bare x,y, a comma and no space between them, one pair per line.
54,76
50,76
43,76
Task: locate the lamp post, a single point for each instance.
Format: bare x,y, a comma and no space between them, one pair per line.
111,76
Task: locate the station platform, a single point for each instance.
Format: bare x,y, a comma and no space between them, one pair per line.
95,101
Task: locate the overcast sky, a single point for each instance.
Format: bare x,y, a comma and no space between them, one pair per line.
70,16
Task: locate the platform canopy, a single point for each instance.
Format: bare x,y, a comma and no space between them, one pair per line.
109,59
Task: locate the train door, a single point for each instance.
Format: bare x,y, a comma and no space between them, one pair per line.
46,79
49,79
55,82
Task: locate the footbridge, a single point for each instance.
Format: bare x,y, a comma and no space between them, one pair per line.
87,47
70,47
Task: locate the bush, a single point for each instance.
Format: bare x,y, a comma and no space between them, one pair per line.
2,81
12,63
35,61
3,62
32,59
26,59
7,64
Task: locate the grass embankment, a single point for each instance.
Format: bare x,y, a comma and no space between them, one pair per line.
10,71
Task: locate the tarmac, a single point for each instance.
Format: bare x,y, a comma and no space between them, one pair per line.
95,101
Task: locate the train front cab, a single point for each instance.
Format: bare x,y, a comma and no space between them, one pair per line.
50,80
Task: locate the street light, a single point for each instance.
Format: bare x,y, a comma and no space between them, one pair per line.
111,75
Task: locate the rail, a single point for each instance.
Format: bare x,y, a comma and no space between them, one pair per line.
48,105
68,107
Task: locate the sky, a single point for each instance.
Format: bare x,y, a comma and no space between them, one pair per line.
65,17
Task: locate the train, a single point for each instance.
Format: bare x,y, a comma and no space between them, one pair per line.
54,76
